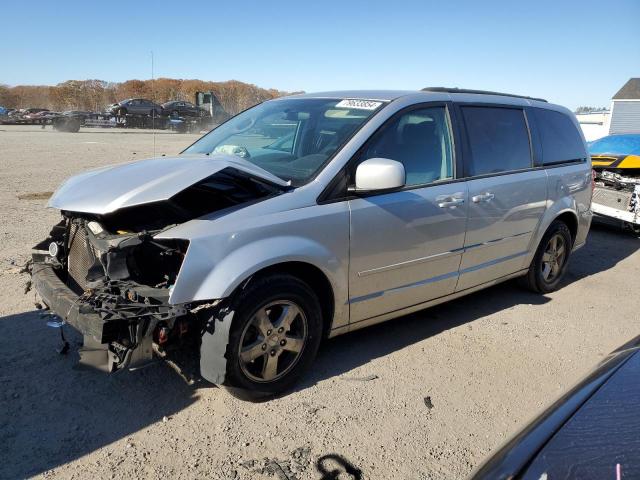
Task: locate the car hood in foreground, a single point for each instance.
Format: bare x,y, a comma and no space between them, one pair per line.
568,439
601,437
108,189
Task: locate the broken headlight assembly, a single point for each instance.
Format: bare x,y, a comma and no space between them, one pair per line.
123,282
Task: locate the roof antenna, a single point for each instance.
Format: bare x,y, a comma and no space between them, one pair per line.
153,112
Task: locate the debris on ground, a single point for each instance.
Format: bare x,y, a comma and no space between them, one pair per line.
297,464
35,196
367,378
428,403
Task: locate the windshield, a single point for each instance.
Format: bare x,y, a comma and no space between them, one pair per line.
290,138
616,145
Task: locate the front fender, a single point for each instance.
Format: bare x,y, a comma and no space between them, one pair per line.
200,280
251,258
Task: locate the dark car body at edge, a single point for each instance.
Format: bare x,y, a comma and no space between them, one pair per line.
585,434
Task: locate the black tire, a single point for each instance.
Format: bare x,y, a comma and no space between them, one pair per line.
257,295
536,279
73,125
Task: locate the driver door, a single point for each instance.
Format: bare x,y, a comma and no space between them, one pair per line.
406,245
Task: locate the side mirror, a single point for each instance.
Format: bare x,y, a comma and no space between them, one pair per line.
379,174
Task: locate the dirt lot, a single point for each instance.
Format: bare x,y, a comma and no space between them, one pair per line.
486,363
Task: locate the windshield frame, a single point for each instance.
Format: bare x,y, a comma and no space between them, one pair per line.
339,148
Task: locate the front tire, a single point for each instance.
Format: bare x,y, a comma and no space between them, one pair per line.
274,337
549,264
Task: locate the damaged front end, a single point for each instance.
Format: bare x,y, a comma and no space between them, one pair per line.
616,196
105,273
115,289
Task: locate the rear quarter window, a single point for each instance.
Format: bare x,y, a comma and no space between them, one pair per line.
498,140
559,137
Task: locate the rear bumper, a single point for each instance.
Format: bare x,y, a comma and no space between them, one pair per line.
62,301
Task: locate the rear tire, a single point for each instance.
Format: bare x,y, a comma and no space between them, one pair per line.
274,337
549,264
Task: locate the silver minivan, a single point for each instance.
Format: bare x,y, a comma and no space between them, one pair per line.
310,216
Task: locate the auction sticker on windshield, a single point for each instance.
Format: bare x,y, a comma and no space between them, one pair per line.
359,104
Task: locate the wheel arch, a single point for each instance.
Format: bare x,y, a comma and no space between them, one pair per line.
308,273
563,211
570,219
202,278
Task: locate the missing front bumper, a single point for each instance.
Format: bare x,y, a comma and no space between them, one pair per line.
99,351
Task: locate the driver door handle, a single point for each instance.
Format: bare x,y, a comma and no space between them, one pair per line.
483,197
449,201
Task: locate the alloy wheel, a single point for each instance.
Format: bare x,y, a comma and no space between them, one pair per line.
554,257
272,341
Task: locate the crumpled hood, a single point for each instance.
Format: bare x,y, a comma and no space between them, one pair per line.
108,189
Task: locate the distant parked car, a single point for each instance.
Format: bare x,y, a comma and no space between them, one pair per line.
43,114
590,433
41,117
183,109
29,112
138,106
77,113
616,163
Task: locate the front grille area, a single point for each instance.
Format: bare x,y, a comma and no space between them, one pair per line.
612,198
81,258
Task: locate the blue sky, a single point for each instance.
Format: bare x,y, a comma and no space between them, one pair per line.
570,52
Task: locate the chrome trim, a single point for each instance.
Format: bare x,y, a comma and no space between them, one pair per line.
499,240
380,293
421,306
493,262
416,261
438,256
438,278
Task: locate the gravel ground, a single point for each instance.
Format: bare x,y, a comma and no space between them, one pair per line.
426,396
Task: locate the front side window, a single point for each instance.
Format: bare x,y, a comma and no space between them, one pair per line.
291,138
498,139
420,140
560,139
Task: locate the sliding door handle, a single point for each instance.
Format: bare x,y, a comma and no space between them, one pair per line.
483,197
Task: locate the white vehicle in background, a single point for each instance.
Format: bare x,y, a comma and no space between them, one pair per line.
616,163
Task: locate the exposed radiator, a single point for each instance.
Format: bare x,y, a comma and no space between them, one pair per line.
81,258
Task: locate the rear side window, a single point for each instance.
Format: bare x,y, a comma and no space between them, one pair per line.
560,139
498,138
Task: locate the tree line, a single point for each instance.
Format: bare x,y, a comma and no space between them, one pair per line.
95,95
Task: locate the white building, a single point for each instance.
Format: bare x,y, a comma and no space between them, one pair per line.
594,125
623,117
625,109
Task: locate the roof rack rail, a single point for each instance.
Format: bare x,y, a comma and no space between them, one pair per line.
480,92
